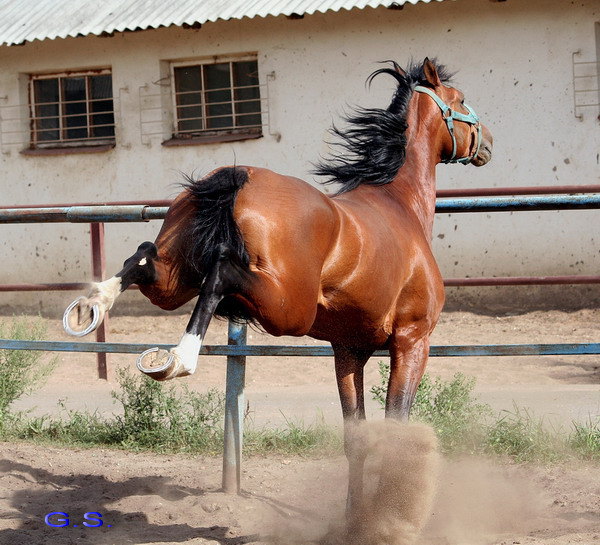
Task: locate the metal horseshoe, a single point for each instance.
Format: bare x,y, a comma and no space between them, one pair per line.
90,328
163,367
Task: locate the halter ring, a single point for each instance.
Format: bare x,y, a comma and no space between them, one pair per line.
90,328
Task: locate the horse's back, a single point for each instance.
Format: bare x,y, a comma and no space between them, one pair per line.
283,217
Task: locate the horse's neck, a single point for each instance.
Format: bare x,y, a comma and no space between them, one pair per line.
414,185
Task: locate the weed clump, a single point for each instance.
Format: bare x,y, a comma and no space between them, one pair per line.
154,417
163,417
585,440
295,438
525,439
21,371
447,406
464,425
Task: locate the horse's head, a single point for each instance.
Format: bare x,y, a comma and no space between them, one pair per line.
158,268
464,139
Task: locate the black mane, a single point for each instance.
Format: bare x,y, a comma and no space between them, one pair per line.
374,144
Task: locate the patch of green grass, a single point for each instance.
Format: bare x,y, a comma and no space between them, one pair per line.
165,417
464,425
585,440
21,371
448,406
295,438
525,439
78,428
169,418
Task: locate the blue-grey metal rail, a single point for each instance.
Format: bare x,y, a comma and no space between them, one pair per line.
521,203
136,213
240,348
83,214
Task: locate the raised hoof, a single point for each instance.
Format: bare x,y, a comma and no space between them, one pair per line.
160,364
84,320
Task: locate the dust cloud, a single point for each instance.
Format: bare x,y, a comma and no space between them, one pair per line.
478,501
401,473
413,495
400,476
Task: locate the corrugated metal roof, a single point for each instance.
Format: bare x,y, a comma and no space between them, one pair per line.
28,20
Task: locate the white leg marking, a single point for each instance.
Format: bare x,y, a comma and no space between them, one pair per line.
187,352
106,291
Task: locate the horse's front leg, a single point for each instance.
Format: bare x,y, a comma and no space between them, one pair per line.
349,367
407,365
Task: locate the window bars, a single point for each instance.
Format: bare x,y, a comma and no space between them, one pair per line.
74,109
197,102
216,98
178,120
586,86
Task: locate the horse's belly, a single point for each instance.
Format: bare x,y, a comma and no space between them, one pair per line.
349,327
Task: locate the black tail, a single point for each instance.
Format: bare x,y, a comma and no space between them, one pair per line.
214,227
213,224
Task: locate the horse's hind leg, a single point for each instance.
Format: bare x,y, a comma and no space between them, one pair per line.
226,275
349,367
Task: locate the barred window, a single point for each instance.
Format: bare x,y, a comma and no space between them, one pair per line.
72,110
217,101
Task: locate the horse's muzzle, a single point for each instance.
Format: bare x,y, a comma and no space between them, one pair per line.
483,156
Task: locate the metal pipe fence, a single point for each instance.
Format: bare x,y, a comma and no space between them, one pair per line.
243,349
237,348
134,211
153,209
140,212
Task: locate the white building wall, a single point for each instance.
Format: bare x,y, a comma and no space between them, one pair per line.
514,62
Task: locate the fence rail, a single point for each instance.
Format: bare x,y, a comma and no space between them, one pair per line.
243,349
237,349
141,213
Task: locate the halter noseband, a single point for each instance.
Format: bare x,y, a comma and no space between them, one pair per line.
449,116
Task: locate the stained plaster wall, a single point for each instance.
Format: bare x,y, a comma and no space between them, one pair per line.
514,61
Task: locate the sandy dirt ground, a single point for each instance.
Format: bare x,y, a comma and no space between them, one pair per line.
148,499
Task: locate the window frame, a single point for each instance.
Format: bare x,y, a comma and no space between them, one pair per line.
208,135
86,144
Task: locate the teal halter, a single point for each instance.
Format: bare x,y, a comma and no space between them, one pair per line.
449,116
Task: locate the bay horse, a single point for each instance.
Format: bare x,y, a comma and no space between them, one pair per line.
355,269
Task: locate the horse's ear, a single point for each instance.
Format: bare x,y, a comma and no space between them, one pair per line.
399,69
431,74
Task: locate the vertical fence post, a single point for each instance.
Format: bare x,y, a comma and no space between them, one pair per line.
98,273
234,412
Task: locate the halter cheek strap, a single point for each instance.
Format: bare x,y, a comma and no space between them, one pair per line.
449,116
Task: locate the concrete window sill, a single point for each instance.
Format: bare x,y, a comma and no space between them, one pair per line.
215,139
67,151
